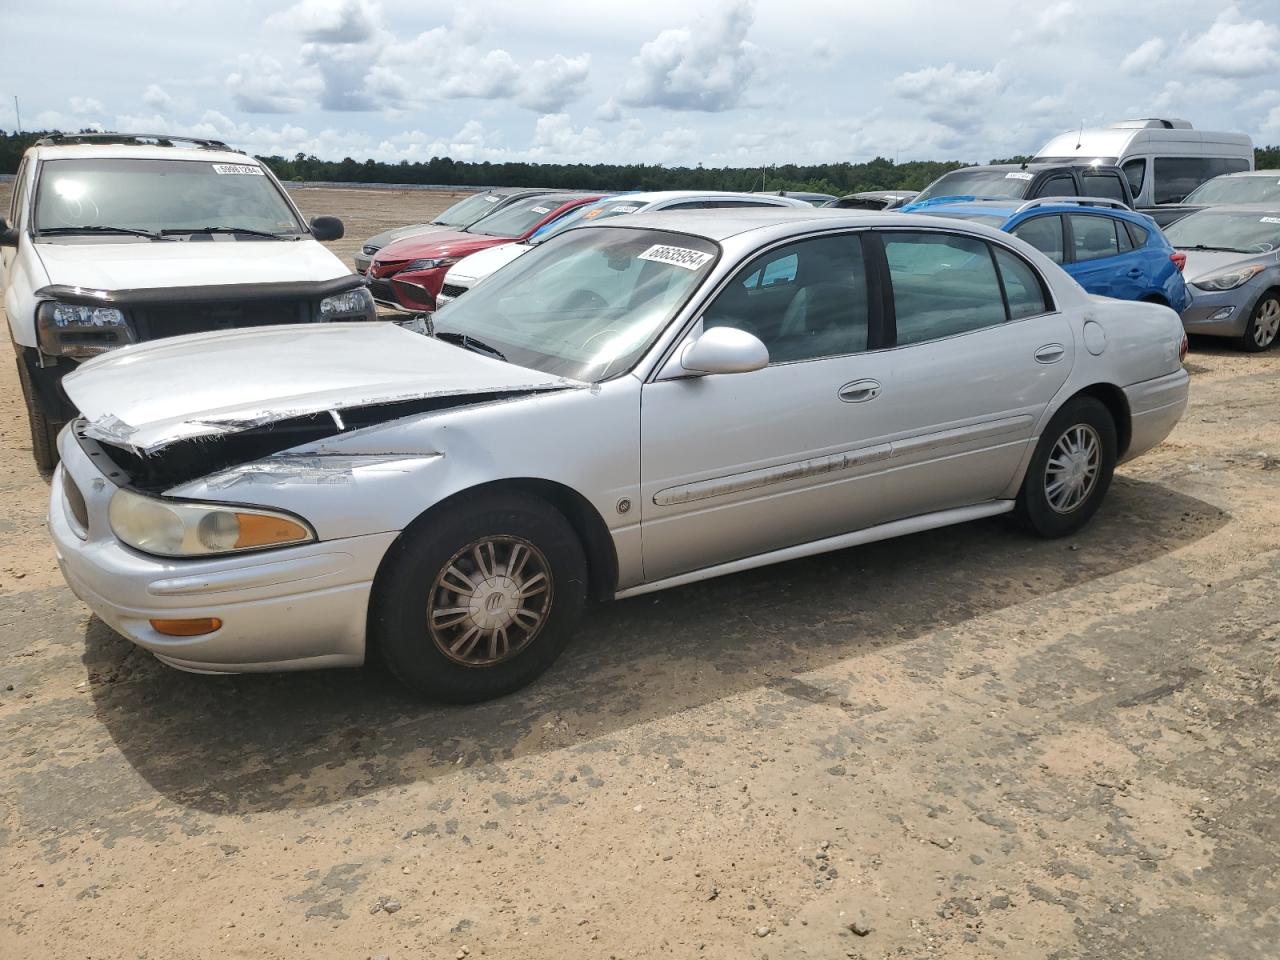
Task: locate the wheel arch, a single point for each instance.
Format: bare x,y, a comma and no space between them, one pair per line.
1117,404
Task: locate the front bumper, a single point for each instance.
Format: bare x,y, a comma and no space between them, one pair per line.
1219,314
289,609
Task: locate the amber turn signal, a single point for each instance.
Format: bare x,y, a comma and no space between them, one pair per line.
186,628
264,529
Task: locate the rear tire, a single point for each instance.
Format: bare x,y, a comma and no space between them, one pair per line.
1070,470
481,599
44,432
1264,324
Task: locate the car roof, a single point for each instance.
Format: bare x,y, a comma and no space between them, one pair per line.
1001,208
1272,209
113,151
717,225
1249,173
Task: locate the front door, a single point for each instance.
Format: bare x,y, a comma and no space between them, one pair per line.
735,465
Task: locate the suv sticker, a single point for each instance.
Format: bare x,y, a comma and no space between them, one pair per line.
1270,220
540,209
625,208
1019,176
491,199
250,169
677,256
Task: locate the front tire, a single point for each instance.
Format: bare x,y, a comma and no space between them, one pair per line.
1264,324
480,599
1070,470
44,431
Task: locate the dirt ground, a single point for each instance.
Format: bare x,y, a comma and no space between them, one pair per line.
965,744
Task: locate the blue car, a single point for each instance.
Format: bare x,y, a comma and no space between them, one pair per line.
1108,248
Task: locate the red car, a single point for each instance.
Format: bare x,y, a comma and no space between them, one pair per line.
408,274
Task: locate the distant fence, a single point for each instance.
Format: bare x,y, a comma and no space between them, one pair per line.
453,188
6,177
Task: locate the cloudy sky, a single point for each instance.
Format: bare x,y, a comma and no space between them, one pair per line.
714,82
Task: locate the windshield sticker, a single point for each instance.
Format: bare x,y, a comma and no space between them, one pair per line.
677,256
1270,220
1019,176
625,208
540,209
592,214
249,169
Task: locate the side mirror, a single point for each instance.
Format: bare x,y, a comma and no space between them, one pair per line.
725,350
327,228
8,234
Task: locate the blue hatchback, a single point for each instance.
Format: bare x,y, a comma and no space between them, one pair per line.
1108,249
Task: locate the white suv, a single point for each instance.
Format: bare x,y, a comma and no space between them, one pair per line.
113,239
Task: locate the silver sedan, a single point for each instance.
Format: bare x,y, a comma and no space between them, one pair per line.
631,406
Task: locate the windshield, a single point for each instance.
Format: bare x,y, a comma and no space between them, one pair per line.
517,219
1236,190
128,193
603,210
1222,230
585,305
466,212
978,183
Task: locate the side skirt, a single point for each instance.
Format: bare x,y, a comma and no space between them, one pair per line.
884,531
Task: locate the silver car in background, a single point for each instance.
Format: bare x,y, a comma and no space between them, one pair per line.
631,406
1232,272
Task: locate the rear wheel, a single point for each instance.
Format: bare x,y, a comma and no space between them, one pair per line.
44,431
482,599
1070,470
1264,324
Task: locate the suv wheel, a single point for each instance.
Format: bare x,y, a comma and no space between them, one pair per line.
44,432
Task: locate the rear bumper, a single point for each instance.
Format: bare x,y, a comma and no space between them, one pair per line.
296,608
1155,407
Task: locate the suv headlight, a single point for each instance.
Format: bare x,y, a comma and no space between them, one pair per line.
354,304
171,528
80,330
433,264
1228,281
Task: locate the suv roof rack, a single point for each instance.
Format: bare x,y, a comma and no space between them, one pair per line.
1078,201
155,139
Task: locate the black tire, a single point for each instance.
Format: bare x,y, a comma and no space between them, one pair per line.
1034,510
44,432
1269,301
408,598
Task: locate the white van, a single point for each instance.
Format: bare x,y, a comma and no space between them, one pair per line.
1164,160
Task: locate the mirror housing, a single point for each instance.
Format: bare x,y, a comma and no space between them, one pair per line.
8,234
327,228
724,350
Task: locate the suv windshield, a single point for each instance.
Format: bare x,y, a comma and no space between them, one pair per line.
584,305
978,183
467,211
1236,231
517,219
1252,189
157,196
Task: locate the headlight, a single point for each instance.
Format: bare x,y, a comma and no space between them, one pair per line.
80,330
1228,281
173,529
435,264
353,304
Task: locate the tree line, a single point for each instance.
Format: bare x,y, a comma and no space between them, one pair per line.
835,178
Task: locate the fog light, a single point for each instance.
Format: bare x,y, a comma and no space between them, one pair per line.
1222,314
186,628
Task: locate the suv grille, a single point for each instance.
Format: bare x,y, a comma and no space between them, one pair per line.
171,320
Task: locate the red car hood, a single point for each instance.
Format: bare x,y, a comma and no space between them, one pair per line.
452,243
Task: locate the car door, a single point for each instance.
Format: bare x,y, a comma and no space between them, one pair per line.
1094,256
735,465
979,351
15,219
1045,233
1058,185
1105,184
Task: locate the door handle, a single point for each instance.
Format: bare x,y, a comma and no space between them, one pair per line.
1050,353
1135,272
859,391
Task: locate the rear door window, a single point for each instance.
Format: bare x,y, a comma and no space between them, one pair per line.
1175,177
1093,237
1103,184
1022,287
1059,186
1135,171
1137,234
942,284
1043,233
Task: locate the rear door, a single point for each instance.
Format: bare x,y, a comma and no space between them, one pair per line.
979,352
1058,185
1099,260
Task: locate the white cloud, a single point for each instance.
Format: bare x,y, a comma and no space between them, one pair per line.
609,111
1051,23
958,100
331,21
1176,96
157,98
1144,56
822,51
550,84
261,84
1233,47
706,67
84,106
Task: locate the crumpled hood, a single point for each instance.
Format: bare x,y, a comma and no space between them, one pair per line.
476,267
148,396
145,265
1209,263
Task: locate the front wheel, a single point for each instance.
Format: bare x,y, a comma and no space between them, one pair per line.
1070,470
44,431
481,599
1264,324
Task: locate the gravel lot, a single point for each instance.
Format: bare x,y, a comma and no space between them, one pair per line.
962,744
